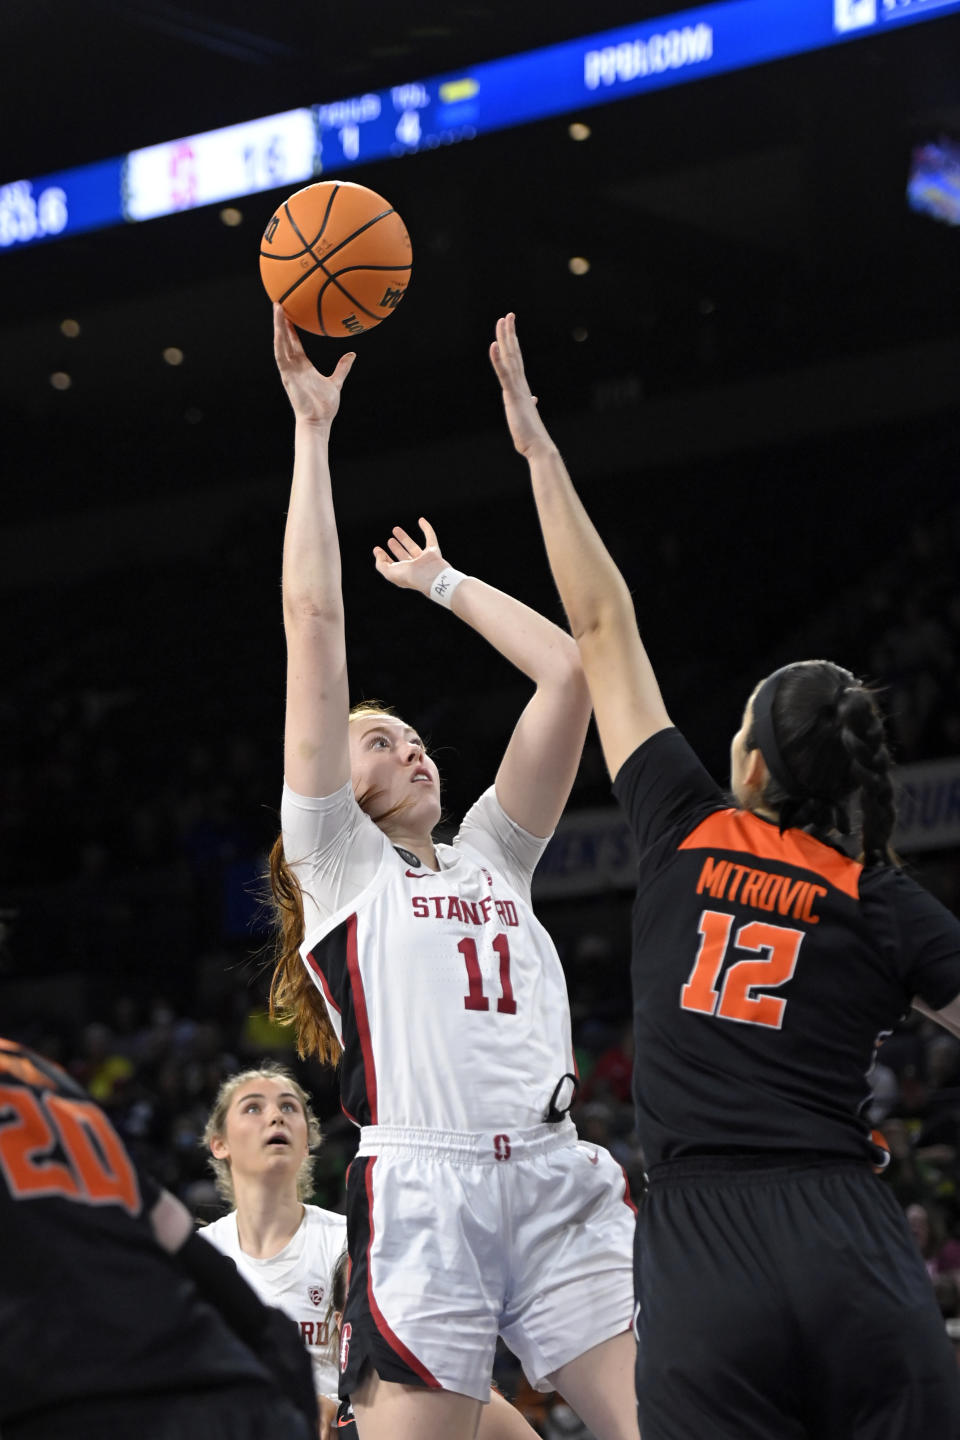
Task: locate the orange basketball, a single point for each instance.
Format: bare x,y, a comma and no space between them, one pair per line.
337,256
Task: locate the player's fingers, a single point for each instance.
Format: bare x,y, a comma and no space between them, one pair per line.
381,557
289,351
287,328
397,550
281,338
503,365
429,534
343,367
411,546
511,359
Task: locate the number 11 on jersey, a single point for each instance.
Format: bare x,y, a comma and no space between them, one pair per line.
475,998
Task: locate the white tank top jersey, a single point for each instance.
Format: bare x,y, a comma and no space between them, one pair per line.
445,991
297,1281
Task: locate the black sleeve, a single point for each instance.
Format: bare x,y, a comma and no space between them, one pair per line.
272,1336
663,785
150,1189
928,940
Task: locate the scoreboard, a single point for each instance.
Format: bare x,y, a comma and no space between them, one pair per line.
296,146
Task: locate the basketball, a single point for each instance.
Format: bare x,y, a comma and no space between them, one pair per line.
337,257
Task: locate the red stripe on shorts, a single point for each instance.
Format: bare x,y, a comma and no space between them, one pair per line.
627,1197
392,1340
360,1014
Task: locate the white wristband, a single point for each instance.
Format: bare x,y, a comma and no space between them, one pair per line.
443,585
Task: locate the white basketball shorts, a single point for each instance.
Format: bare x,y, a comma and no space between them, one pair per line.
456,1238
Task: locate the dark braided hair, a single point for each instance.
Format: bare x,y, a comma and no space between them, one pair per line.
861,730
822,738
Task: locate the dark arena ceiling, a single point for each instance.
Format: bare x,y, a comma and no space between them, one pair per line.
756,279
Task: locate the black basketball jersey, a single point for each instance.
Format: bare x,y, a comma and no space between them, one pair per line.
765,968
90,1305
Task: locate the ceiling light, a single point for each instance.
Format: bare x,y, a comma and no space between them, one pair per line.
60,380
578,265
70,328
173,355
579,131
231,216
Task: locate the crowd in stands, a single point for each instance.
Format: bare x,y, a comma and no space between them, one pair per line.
156,1071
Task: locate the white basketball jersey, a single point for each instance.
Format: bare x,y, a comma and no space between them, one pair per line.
447,995
298,1280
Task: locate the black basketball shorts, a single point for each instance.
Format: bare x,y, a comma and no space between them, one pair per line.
785,1301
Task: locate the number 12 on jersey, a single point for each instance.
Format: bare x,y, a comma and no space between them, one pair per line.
734,998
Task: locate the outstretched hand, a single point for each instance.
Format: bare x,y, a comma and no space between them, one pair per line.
413,566
315,398
523,417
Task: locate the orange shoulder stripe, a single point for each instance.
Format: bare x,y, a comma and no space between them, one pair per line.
745,833
20,1065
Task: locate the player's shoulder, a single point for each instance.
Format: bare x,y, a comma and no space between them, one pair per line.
487,816
325,1221
490,839
901,893
466,854
21,1063
319,1216
665,792
326,1236
893,886
222,1233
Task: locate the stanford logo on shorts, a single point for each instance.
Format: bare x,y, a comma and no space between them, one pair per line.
501,1147
315,1293
345,1334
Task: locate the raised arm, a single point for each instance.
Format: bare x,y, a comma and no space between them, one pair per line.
541,759
316,751
626,697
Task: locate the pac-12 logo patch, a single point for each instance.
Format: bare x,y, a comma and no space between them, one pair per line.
345,1334
315,1293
